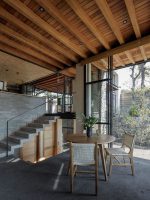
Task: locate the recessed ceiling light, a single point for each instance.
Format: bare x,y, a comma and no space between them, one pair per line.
124,21
41,9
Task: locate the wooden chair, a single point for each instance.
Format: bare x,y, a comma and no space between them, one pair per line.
83,155
120,155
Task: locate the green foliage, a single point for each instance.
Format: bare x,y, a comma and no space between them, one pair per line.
134,111
137,120
89,121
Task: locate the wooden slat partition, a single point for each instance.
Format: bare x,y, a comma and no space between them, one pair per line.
46,144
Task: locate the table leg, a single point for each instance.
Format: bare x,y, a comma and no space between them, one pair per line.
103,161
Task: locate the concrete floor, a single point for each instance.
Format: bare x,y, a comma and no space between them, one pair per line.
47,180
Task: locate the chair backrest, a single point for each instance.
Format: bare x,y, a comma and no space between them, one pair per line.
83,154
128,141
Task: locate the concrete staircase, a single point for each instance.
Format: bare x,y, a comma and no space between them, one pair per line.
18,138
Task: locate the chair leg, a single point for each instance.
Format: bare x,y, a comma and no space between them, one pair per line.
132,166
71,177
68,170
96,173
106,157
110,166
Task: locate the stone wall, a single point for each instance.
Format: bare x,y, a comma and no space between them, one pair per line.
12,104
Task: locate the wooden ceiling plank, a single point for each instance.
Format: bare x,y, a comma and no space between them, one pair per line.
28,13
34,44
26,50
132,14
50,79
9,17
55,12
88,22
106,11
22,55
50,82
124,47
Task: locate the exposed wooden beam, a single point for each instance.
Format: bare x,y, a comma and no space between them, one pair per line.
132,15
124,47
133,18
143,53
88,22
24,10
26,50
24,56
35,45
104,62
55,12
106,11
97,65
129,56
11,18
71,71
119,60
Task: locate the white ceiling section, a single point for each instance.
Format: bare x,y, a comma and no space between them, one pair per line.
17,71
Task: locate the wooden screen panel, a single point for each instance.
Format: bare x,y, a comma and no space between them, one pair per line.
49,140
28,152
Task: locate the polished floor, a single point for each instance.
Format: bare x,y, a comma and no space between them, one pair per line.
47,180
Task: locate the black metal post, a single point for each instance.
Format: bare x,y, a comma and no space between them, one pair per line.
111,93
84,90
7,148
108,97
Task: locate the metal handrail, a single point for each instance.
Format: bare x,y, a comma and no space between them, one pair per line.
19,116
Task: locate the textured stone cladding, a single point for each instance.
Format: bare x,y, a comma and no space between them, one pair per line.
12,104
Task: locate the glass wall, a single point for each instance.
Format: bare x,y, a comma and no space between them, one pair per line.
97,98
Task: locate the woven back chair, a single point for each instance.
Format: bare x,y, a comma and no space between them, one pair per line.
83,155
121,157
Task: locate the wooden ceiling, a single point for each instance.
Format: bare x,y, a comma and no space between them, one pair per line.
58,34
52,83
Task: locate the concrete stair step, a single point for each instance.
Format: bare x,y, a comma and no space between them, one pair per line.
13,138
36,125
3,152
40,121
11,144
22,134
29,129
47,118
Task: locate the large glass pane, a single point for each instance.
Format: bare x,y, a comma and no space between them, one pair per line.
97,101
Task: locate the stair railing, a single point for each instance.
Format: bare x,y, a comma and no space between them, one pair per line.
20,116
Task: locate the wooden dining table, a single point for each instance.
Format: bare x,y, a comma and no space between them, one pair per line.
101,140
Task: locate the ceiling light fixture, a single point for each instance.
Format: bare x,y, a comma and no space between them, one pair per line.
41,9
124,21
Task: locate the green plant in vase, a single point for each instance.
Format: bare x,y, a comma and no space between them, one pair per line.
89,122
